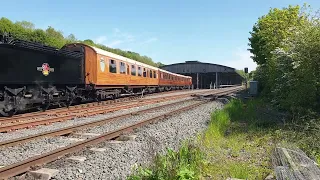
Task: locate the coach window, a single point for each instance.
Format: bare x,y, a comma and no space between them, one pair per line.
133,70
139,71
154,74
122,68
144,72
112,66
150,74
128,69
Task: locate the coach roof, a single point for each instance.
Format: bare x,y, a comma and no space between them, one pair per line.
116,56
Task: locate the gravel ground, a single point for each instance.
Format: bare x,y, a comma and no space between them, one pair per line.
59,125
177,93
10,155
18,153
133,119
118,159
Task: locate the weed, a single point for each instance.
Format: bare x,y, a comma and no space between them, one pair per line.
237,144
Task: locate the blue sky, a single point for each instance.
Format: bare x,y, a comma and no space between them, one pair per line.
214,31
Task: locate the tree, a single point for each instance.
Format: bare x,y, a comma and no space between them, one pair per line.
269,33
286,44
26,25
71,38
159,64
26,31
271,29
88,42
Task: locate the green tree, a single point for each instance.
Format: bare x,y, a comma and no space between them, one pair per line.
26,25
71,38
271,29
159,64
268,34
26,31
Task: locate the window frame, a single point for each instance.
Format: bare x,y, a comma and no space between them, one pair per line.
128,68
112,66
140,73
150,73
144,73
135,70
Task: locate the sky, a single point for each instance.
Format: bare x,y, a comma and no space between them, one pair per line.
168,31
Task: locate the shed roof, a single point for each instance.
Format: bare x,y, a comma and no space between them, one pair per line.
197,67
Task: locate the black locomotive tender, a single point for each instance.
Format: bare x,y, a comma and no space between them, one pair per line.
24,80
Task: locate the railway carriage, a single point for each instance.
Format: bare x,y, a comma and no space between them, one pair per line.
111,74
33,75
169,80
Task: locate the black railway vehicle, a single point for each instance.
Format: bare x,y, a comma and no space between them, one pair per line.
34,75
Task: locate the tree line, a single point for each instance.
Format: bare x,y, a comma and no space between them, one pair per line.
285,44
25,30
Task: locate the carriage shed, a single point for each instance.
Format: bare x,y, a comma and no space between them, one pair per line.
204,74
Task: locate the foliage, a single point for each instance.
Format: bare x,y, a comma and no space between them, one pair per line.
228,148
243,74
268,33
285,43
182,165
26,31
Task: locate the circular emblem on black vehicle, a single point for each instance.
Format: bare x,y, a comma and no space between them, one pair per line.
45,69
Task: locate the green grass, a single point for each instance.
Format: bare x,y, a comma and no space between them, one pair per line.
237,143
183,164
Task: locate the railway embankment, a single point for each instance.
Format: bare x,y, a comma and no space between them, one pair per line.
247,139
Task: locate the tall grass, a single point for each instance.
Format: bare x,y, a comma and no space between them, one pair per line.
183,164
225,149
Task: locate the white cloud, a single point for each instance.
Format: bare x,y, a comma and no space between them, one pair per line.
241,59
116,30
114,43
119,38
100,39
149,40
123,35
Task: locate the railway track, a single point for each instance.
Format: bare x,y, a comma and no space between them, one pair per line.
25,165
53,111
63,114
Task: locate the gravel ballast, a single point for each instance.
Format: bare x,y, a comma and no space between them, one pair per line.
76,121
14,154
119,158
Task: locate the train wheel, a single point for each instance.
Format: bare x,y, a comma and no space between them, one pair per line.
44,107
10,113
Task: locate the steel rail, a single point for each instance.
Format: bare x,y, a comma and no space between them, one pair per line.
39,160
70,129
52,111
64,114
80,113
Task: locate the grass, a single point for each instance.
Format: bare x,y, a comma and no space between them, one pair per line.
238,144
